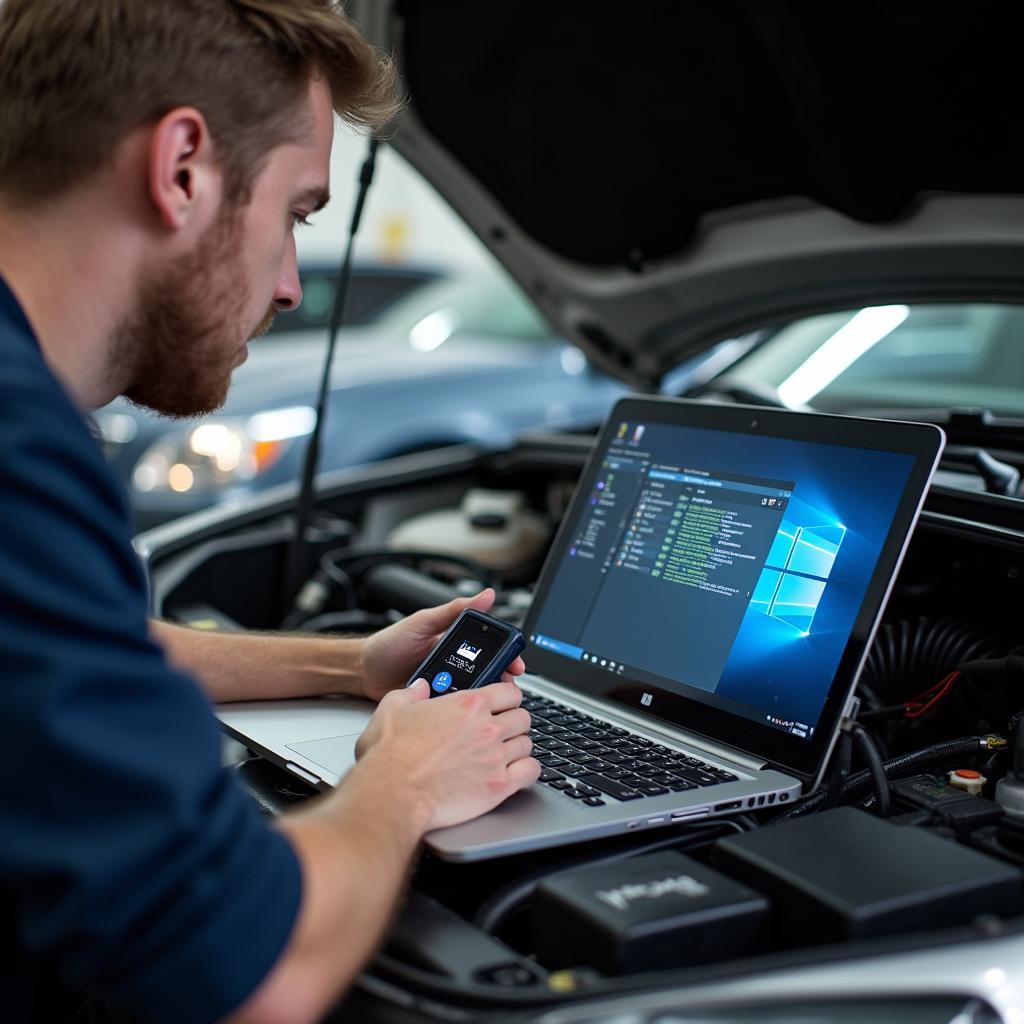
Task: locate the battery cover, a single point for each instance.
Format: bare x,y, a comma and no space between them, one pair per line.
845,874
646,913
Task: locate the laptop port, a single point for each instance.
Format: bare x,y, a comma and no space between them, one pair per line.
691,812
729,805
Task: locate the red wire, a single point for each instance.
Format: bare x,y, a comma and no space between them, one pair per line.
926,700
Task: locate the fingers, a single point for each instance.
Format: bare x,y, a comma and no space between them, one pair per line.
516,668
523,773
420,690
516,748
500,696
513,723
438,619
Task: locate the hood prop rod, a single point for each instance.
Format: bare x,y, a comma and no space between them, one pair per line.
298,566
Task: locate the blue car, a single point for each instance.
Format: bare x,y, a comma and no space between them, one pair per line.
457,360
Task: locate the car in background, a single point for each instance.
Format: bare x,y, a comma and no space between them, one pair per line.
902,360
372,289
460,360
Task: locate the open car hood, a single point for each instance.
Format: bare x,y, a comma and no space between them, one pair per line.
662,175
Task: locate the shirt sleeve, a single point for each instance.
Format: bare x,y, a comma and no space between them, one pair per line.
132,859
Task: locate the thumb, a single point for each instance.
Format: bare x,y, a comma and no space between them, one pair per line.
420,690
440,618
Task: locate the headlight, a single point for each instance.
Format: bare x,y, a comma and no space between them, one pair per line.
220,452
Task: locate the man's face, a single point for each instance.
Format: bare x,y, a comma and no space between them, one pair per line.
195,317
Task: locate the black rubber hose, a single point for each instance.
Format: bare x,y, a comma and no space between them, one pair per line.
898,765
875,767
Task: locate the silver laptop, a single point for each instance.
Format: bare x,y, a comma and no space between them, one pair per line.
697,629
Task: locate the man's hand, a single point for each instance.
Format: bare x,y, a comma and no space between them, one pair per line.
456,757
392,655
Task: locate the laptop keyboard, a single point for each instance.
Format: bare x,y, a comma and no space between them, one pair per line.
590,760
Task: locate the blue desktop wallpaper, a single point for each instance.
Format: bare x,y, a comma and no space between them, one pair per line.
796,626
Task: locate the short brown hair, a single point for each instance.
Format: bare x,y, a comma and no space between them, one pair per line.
78,76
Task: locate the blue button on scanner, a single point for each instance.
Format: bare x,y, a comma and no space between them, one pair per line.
442,681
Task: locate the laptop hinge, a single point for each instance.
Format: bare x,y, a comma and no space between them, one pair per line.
645,724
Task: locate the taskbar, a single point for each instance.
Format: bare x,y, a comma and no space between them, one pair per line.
633,672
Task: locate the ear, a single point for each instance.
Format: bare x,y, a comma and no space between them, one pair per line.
185,183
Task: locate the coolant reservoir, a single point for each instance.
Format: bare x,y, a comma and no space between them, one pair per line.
494,528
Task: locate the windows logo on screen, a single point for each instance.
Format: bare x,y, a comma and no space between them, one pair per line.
468,651
796,571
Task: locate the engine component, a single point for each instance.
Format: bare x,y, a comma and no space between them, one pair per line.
656,911
398,586
494,528
946,805
1010,788
844,874
968,780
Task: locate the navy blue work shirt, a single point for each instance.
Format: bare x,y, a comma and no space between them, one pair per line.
130,861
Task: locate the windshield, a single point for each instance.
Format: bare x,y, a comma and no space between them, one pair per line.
895,357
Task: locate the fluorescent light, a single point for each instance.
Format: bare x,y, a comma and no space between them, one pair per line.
857,336
433,330
281,424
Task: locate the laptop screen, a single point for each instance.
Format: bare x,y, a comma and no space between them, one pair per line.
726,568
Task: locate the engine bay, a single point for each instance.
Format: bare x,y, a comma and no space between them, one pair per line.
913,846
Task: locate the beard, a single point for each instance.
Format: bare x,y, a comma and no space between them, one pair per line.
179,349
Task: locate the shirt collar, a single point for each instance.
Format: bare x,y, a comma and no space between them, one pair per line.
11,308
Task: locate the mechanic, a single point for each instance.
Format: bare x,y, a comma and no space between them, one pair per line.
155,156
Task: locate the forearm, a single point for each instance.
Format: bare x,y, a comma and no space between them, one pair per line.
355,848
254,666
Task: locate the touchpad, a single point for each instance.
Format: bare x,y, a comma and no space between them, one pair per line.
335,753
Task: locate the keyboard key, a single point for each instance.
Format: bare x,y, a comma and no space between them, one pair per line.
599,766
545,728
700,778
616,731
585,744
661,762
550,760
611,787
616,773
643,741
651,789
550,775
593,733
560,748
560,784
630,749
724,776
566,720
614,758
594,801
587,790
574,771
574,793
680,785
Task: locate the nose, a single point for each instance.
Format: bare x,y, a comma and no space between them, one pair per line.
288,293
